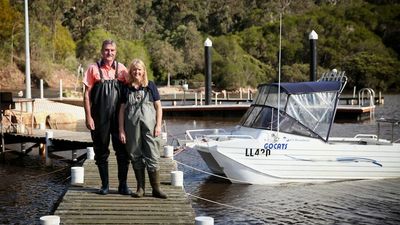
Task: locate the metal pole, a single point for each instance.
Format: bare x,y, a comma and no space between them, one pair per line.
313,37
27,60
207,54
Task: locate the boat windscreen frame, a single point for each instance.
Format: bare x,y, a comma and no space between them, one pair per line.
319,92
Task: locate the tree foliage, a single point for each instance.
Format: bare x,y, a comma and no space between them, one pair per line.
358,36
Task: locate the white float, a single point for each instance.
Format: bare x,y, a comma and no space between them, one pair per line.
77,175
50,220
204,220
90,153
177,178
169,151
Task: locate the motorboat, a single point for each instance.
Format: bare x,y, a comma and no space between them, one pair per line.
285,137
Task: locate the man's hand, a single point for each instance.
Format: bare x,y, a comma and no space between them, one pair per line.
90,123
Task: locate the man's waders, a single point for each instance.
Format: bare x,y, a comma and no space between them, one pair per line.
104,98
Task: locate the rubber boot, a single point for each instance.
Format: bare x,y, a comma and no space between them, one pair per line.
140,180
103,171
123,188
154,178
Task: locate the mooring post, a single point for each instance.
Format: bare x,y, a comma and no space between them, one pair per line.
207,54
41,89
61,90
49,136
313,37
27,60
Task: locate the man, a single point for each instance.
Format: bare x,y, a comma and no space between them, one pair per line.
102,82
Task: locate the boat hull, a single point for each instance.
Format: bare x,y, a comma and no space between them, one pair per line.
301,159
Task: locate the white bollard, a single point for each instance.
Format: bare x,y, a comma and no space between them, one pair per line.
50,220
177,178
89,153
169,151
49,136
204,220
164,136
61,90
42,126
41,89
77,175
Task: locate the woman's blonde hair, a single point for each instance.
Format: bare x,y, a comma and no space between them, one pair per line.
134,64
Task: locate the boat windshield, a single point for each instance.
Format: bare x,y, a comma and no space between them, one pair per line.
306,108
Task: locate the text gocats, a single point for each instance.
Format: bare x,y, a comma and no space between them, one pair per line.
266,150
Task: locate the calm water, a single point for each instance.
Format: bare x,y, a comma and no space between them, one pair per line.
28,190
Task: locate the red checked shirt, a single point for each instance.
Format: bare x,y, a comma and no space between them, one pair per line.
92,74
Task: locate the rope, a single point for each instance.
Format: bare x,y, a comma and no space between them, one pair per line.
55,171
252,211
212,174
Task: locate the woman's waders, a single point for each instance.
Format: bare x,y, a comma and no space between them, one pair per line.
142,146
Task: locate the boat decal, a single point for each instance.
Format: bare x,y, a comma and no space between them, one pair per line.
276,146
358,159
258,151
343,159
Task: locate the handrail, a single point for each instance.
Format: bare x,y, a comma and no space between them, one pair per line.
371,94
189,135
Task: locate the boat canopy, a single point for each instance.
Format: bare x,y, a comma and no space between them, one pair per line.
307,87
305,108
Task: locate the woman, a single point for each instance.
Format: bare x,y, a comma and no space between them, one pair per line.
140,117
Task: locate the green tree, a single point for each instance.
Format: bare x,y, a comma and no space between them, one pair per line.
373,71
128,50
89,49
11,25
165,59
64,45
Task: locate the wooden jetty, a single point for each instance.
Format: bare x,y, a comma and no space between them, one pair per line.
62,140
81,204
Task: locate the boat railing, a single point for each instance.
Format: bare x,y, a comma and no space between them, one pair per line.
335,75
224,137
371,136
194,134
214,134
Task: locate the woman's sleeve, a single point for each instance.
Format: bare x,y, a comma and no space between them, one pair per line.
154,91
